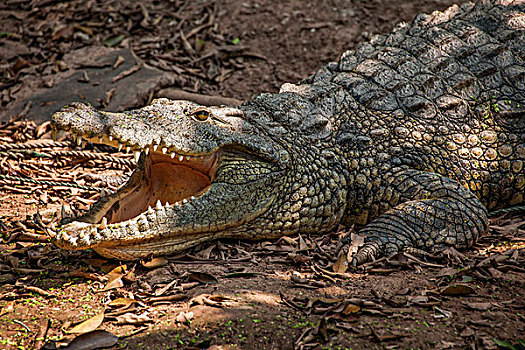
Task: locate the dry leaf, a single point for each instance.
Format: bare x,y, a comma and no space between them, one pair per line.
302,244
174,297
298,278
87,275
481,306
357,242
131,318
119,270
418,299
329,300
88,325
442,313
219,298
184,317
351,309
457,290
114,282
466,332
240,274
216,300
108,267
495,273
205,253
122,302
341,265
93,340
287,240
115,278
129,277
447,271
8,307
154,263
202,277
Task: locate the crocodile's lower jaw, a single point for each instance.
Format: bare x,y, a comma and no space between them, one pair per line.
157,246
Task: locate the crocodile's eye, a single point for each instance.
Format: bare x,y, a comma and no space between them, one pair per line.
201,115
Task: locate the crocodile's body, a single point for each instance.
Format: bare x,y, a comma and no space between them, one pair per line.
411,138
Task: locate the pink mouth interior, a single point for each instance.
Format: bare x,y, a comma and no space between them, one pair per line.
168,180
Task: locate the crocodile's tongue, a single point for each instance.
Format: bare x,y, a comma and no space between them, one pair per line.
166,182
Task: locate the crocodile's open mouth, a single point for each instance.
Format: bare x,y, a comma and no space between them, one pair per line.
190,185
161,180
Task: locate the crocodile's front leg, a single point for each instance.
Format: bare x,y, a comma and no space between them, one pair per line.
433,212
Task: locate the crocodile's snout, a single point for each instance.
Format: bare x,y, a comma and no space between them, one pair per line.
172,195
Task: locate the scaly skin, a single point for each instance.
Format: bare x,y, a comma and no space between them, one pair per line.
412,137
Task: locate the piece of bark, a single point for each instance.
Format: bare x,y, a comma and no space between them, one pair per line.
205,100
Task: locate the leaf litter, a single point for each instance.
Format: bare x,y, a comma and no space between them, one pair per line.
132,297
305,285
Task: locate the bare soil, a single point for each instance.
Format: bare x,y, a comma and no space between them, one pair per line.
291,293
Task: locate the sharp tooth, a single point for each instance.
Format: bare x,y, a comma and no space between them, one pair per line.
159,205
87,240
128,149
65,236
155,148
137,156
120,147
177,204
146,151
110,138
188,157
164,150
192,197
181,157
167,205
100,139
73,241
79,141
150,210
104,223
54,135
74,136
173,155
184,200
63,213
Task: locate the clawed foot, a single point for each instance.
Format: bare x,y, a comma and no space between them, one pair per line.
372,250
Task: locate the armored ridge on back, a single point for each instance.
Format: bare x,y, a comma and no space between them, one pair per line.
412,138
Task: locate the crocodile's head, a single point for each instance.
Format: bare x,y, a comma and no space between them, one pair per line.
201,173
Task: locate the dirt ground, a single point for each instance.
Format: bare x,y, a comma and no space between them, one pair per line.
295,292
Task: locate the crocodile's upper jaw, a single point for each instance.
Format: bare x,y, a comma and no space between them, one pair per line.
171,201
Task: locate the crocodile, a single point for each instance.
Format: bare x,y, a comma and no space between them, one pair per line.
411,138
